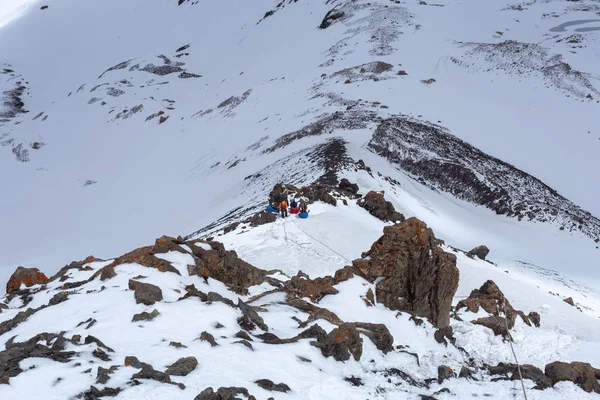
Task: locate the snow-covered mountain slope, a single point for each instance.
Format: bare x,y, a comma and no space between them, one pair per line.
125,121
84,328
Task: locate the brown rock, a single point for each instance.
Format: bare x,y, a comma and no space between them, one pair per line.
480,251
445,372
341,343
569,301
377,206
495,323
379,335
145,293
315,289
27,277
419,277
225,266
535,318
345,185
262,218
582,374
492,300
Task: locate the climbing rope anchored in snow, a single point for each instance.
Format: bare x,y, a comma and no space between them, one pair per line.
513,351
314,238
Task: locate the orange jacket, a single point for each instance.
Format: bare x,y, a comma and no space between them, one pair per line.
283,204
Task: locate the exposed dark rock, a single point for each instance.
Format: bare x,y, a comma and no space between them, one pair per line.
418,276
17,352
22,316
252,316
444,335
379,335
245,343
103,374
272,387
341,343
99,353
27,277
225,266
58,298
91,339
582,374
177,345
207,337
315,289
318,193
569,301
492,300
480,251
182,367
465,372
94,394
377,206
243,335
445,372
131,361
534,317
347,186
495,323
330,17
354,381
262,217
431,154
145,293
533,373
148,372
223,393
145,316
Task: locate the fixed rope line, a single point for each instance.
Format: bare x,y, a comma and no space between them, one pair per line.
513,350
314,238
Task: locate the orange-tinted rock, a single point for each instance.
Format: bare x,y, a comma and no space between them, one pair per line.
27,277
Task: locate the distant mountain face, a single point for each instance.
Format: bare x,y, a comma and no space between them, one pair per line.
186,129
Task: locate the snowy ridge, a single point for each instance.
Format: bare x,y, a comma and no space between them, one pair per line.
89,327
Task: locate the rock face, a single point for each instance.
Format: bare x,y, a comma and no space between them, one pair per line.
262,218
17,352
377,206
27,277
583,374
223,393
347,186
224,266
271,386
492,300
418,276
341,343
480,251
569,301
183,366
145,293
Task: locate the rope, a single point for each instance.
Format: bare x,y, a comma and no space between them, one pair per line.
314,238
513,350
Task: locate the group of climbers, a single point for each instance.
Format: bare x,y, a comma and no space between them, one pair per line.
294,206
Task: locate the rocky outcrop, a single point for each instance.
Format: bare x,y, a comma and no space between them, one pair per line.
262,217
182,367
445,372
351,188
273,387
318,193
480,251
27,277
145,293
17,352
250,317
212,260
412,272
582,374
341,343
223,393
377,206
569,301
492,300
145,316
